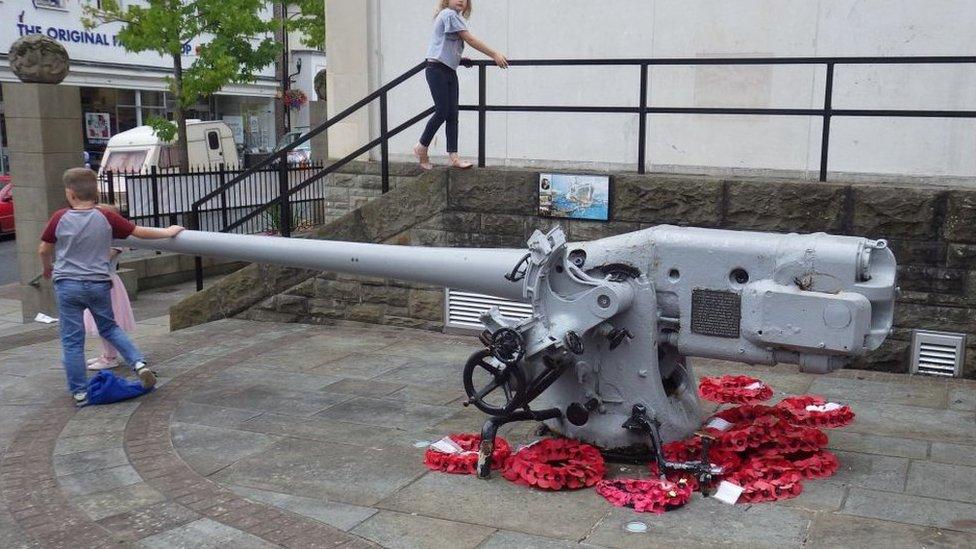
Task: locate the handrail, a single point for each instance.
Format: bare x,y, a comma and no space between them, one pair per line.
283,153
643,110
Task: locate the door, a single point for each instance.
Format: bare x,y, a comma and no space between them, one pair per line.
215,152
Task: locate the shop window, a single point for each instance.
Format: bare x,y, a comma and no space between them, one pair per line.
213,141
55,4
124,161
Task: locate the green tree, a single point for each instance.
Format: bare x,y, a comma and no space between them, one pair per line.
310,20
236,40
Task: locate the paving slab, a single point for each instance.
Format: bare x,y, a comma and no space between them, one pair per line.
941,480
963,398
897,420
350,474
819,495
436,395
203,534
907,392
334,513
261,398
871,471
402,415
360,387
910,509
329,430
842,439
505,540
120,500
403,531
838,531
705,523
212,416
86,443
498,503
959,454
210,449
93,460
364,365
91,482
147,521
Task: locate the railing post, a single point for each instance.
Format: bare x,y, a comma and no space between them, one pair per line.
110,187
825,141
154,183
384,145
222,178
284,207
482,113
642,122
197,260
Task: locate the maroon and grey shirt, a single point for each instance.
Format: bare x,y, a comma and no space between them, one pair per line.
82,241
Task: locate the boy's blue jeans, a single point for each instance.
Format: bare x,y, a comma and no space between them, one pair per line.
74,296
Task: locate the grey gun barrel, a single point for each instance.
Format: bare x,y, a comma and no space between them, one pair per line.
479,270
815,299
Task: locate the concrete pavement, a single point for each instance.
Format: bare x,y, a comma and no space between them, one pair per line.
265,435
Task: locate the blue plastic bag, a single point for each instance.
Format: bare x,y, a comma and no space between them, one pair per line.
106,388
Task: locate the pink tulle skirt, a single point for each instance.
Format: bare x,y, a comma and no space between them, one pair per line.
120,306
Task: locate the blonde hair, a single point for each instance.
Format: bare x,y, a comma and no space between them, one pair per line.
444,4
83,182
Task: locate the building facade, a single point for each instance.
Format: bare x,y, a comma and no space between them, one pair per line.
121,90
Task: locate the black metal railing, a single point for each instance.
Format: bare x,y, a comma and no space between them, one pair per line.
160,198
281,205
643,110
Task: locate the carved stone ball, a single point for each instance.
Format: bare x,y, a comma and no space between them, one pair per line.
319,84
38,59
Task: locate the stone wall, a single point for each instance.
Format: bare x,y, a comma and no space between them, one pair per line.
930,228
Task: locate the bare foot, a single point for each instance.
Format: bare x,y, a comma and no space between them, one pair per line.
458,163
421,153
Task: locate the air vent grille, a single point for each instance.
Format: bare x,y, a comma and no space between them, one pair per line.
938,353
464,309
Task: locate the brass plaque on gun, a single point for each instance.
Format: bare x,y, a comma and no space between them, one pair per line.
716,313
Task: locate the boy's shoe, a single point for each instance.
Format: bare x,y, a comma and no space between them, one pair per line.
146,376
80,398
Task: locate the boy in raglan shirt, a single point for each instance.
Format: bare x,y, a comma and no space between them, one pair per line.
75,251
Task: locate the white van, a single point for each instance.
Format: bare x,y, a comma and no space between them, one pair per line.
210,144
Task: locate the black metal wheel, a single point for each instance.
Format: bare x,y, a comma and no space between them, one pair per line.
492,386
506,345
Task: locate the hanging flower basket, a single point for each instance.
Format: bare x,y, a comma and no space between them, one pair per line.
294,99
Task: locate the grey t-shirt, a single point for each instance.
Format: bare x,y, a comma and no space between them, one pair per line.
82,239
446,44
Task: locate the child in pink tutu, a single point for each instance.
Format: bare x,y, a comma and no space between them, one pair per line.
122,310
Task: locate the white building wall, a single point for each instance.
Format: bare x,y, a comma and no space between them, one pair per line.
398,31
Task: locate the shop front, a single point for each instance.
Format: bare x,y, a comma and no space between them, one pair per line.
121,90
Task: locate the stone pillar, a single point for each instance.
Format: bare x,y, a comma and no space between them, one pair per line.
347,44
317,114
44,133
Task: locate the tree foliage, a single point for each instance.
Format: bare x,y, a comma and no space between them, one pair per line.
235,41
310,20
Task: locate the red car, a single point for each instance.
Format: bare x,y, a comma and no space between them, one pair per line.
6,206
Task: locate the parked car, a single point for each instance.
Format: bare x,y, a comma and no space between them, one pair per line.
6,206
300,155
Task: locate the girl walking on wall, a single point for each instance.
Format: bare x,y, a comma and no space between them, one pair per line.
443,57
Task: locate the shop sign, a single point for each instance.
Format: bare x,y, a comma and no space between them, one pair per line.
98,126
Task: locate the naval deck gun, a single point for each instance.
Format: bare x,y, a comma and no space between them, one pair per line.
603,358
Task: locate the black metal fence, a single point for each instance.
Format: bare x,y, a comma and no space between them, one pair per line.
160,199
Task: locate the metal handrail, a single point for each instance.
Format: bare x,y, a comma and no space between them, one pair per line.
642,109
